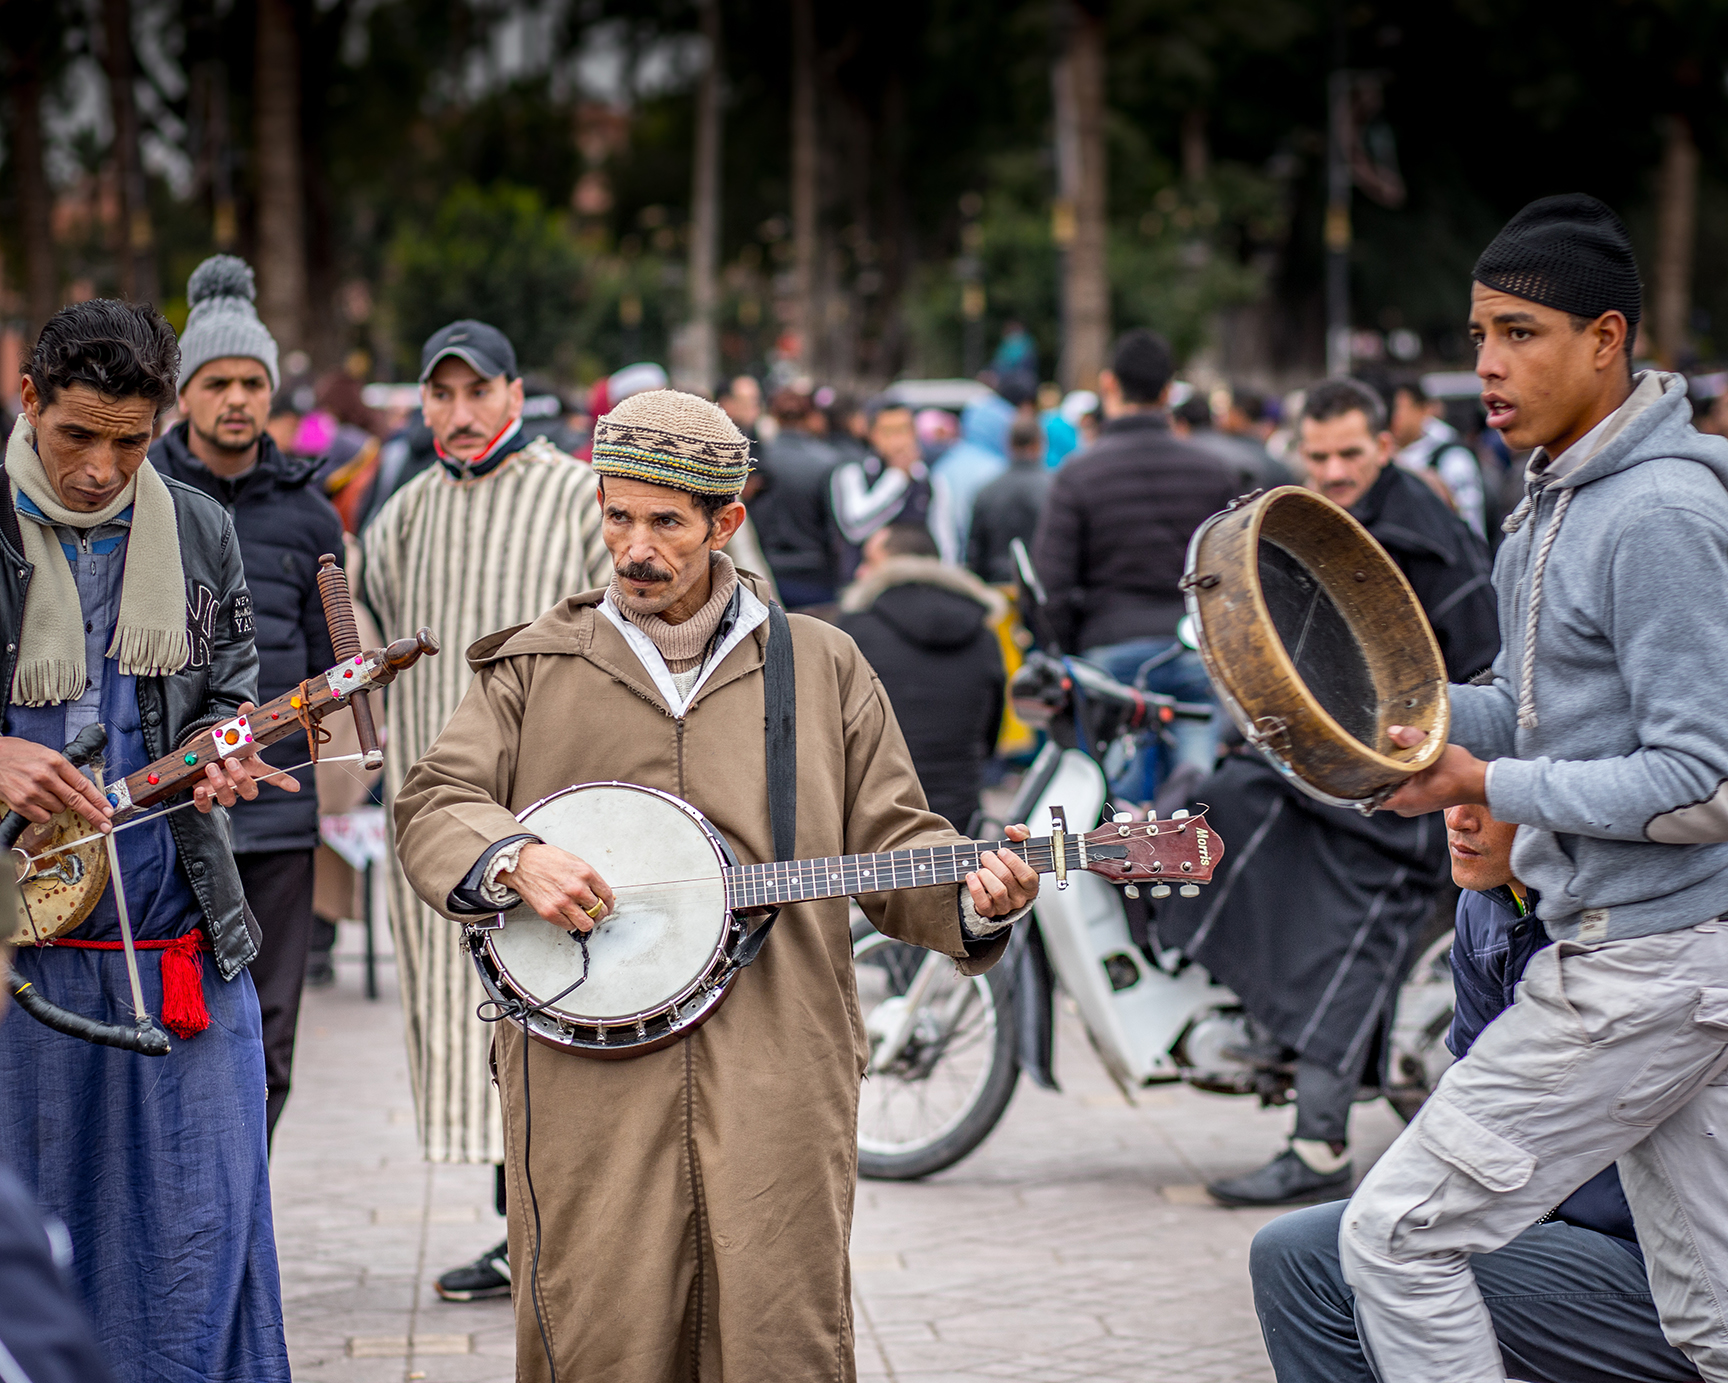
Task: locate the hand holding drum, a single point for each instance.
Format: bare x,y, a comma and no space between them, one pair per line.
1458,778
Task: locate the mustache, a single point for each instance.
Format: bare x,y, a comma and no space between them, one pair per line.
642,571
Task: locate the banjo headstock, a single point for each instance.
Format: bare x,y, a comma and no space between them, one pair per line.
1181,850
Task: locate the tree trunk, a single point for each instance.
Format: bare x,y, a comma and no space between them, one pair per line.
42,287
1676,236
137,254
1077,81
696,355
1196,150
281,227
806,319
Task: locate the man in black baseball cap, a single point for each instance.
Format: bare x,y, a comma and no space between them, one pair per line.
484,347
500,529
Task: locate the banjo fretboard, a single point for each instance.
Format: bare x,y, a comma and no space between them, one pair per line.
838,876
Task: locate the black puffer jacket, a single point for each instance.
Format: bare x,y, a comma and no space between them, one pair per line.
284,523
173,709
924,628
1114,537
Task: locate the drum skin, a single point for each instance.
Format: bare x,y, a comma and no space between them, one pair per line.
655,960
1315,644
58,899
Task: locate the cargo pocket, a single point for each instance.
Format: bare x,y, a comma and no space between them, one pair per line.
1695,1055
1481,1154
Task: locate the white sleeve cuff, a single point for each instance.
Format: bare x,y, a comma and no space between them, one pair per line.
974,926
495,893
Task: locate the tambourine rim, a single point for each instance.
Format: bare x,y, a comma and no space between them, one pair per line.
1286,667
716,961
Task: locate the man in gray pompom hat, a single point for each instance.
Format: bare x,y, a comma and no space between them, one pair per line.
227,376
223,320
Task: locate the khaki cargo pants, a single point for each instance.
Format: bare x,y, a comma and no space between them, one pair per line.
1611,1052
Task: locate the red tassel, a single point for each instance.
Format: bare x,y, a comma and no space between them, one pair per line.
183,1011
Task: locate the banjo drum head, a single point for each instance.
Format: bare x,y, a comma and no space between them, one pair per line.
1315,644
666,871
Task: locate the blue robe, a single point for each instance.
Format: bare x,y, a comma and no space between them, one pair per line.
157,1165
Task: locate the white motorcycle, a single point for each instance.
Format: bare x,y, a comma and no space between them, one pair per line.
947,1050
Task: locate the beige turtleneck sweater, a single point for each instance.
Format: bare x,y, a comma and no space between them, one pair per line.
683,645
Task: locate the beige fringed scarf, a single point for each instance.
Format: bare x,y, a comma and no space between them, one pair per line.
150,639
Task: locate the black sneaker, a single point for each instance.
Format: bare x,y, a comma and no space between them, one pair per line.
1285,1180
486,1277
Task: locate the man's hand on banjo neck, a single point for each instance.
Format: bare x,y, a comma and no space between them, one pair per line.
570,893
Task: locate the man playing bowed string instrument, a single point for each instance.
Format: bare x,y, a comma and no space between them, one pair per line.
693,1204
123,602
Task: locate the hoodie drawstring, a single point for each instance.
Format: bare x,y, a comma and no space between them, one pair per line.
1527,675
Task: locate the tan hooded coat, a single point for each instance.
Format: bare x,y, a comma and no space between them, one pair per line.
695,1203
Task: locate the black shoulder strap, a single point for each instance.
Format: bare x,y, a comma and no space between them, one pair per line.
780,714
780,702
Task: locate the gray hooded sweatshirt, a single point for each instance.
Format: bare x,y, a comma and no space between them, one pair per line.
1609,742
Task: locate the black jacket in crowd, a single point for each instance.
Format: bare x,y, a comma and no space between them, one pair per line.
1446,564
1007,508
1114,537
792,516
223,673
924,627
284,523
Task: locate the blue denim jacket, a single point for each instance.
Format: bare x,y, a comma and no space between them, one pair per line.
1494,942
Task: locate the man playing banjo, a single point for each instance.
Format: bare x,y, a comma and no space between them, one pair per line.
689,1209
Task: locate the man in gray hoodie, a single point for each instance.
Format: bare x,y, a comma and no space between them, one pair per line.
1602,736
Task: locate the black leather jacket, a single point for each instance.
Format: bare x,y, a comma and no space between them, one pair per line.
223,673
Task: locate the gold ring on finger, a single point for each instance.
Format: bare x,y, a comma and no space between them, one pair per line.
595,911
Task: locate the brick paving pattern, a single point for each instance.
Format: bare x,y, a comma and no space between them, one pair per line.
1076,1244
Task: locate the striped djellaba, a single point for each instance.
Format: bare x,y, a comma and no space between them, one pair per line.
464,558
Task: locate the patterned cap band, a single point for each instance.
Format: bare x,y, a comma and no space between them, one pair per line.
678,440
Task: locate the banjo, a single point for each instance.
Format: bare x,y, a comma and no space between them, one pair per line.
63,866
665,958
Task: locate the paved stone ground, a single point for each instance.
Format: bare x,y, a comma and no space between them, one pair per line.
1076,1244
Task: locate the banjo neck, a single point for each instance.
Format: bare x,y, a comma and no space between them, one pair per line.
1179,851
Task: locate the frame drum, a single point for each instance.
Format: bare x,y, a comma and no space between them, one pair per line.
654,963
1315,643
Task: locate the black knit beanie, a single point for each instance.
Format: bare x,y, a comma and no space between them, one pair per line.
1568,252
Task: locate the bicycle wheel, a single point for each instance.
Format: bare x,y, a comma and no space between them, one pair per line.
955,1073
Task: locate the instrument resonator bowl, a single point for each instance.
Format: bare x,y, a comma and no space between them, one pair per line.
653,961
1315,644
65,888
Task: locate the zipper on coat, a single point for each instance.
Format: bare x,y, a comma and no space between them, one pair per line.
679,722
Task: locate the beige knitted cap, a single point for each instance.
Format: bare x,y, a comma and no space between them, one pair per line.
677,440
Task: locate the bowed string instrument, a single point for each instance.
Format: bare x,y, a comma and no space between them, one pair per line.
64,866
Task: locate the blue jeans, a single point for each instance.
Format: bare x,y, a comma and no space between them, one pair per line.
1569,1306
1182,676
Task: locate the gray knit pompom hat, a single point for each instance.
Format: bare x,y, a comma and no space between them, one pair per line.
223,320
